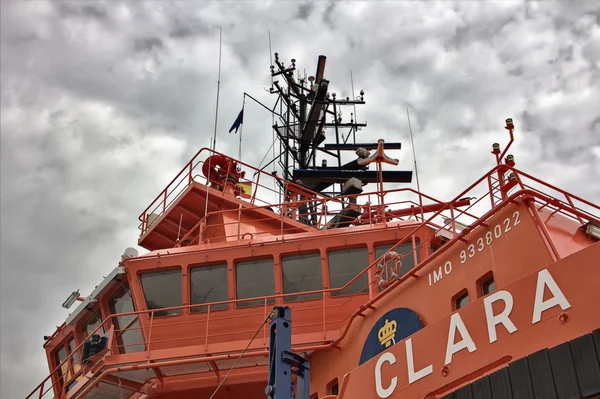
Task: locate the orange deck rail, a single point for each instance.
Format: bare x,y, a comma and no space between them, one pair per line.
263,185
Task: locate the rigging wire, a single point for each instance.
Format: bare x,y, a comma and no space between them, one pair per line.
241,354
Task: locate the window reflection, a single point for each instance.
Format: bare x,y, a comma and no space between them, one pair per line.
162,290
127,332
208,284
346,264
255,278
302,273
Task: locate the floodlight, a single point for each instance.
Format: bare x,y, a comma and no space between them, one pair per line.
71,299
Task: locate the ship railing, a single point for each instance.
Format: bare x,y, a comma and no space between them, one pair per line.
64,377
374,208
263,186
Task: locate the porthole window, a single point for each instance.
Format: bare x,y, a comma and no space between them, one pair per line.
488,286
462,300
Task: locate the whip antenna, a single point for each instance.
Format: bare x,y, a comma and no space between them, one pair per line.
413,148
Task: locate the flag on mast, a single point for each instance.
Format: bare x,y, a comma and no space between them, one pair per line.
238,122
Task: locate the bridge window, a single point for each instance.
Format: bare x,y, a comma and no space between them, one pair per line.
208,284
129,337
162,290
346,264
255,278
403,249
302,273
61,356
70,367
91,324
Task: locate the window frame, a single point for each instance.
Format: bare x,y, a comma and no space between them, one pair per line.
484,279
144,302
276,295
74,375
313,251
364,246
459,295
198,265
331,385
417,248
117,341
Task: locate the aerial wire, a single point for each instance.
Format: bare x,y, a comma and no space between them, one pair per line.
413,148
214,142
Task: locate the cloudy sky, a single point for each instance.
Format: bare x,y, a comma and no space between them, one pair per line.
103,103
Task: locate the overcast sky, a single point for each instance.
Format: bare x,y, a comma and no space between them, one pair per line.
104,102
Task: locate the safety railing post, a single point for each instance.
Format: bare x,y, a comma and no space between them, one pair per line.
414,245
206,330
265,325
544,233
453,220
573,206
324,316
491,190
150,336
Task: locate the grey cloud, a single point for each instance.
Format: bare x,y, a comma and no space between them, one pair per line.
148,44
188,31
327,15
304,11
85,10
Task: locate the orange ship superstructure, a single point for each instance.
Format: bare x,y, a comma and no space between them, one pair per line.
392,293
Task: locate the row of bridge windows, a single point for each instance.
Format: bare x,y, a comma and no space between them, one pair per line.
254,278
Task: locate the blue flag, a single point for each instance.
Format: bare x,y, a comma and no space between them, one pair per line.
238,121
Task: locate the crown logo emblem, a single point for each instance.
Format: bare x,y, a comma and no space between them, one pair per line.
387,332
